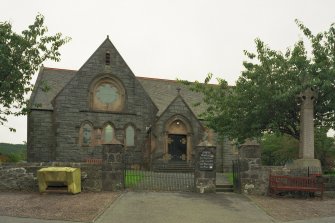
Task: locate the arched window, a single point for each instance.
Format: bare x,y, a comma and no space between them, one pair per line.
86,134
130,136
108,134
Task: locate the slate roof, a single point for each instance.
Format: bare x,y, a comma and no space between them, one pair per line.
161,91
55,80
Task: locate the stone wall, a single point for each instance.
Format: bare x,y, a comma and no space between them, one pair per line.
177,110
72,107
40,136
22,176
253,176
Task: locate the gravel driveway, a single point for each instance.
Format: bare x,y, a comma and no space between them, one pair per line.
85,206
290,209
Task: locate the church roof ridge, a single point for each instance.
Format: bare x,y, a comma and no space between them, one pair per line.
60,69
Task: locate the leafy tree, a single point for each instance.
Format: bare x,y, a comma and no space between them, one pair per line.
278,149
20,57
325,149
265,98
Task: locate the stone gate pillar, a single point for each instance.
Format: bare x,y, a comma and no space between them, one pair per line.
112,167
205,168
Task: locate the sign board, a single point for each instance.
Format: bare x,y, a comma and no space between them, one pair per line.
206,160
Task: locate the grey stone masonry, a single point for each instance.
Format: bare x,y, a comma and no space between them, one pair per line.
113,167
177,109
40,136
307,124
22,176
72,107
205,168
251,172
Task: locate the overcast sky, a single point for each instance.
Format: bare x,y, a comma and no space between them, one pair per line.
167,39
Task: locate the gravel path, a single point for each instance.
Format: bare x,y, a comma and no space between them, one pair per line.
290,209
85,206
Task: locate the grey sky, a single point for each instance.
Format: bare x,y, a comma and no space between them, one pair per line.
168,38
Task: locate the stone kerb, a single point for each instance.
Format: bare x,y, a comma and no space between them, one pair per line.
112,167
205,168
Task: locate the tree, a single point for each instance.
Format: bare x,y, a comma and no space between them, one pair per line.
265,98
278,149
20,57
325,149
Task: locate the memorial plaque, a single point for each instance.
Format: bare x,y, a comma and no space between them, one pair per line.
206,160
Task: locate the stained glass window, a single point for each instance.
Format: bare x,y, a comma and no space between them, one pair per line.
108,134
107,94
86,134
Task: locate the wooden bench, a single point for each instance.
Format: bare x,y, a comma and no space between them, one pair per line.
293,183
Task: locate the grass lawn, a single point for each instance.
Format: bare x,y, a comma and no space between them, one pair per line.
229,177
133,177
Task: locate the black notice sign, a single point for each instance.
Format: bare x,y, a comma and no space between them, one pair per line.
206,160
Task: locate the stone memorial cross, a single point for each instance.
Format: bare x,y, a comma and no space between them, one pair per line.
306,150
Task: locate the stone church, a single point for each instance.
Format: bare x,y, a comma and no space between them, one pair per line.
73,113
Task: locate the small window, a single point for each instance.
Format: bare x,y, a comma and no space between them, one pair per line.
108,134
86,134
108,58
130,136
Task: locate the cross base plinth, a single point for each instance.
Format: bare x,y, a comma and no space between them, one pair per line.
313,164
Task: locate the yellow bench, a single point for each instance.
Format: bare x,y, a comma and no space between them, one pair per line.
68,176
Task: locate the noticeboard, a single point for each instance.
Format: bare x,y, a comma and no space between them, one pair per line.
206,160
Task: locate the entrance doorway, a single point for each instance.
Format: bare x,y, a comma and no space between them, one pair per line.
177,147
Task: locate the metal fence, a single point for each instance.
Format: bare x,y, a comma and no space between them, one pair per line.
160,178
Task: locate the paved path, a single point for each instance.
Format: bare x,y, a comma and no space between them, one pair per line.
150,207
164,207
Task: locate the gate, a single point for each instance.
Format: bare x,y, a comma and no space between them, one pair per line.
236,176
172,176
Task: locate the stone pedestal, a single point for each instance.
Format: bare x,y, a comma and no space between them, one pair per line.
205,168
314,164
112,167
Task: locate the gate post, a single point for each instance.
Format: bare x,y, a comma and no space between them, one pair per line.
112,167
205,168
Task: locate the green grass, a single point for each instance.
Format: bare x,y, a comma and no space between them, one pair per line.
329,174
133,178
229,177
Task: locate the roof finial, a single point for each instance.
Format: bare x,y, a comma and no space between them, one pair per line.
107,36
178,90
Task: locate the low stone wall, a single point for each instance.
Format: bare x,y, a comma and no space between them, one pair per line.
254,177
255,180
22,176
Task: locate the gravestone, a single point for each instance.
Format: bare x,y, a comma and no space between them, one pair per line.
205,168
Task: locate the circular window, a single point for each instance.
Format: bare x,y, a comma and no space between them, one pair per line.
108,95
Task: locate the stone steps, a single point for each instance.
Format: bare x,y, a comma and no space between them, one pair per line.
224,188
175,167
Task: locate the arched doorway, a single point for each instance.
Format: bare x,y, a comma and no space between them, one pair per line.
178,138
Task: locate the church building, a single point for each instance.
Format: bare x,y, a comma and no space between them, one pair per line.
73,113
